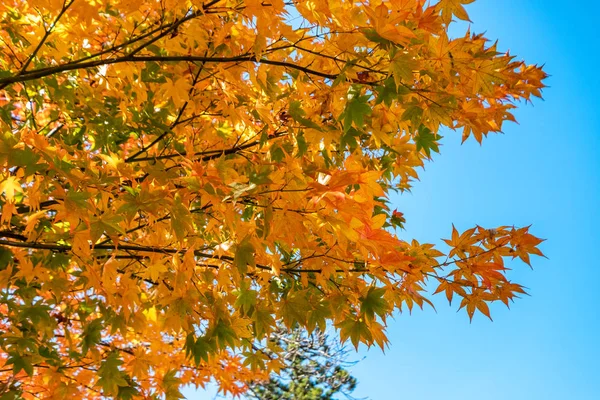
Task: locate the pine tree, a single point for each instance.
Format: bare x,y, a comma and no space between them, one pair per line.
315,368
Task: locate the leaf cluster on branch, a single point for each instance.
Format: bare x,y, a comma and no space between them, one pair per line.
178,177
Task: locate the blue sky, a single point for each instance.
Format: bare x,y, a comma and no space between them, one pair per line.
544,171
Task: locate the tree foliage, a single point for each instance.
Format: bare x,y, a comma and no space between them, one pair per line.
314,368
177,176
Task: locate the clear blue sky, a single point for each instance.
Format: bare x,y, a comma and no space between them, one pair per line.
544,171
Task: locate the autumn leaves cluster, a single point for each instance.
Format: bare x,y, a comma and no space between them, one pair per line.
180,178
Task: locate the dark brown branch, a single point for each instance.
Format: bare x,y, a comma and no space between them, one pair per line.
37,74
157,250
13,235
163,218
123,247
209,154
23,209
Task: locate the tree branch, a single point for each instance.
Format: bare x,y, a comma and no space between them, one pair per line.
75,65
206,155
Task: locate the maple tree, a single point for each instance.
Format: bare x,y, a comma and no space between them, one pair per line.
180,176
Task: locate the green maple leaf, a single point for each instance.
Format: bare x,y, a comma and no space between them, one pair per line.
111,377
244,256
373,36
105,224
171,384
357,330
6,256
198,348
319,315
356,110
374,303
403,67
40,317
92,334
413,113
246,299
20,363
263,321
298,115
254,359
224,334
427,140
294,307
389,91
181,219
127,393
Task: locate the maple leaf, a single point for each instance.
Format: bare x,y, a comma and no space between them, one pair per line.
453,7
111,377
294,307
224,334
244,255
91,335
298,115
263,321
373,303
198,348
390,91
10,186
526,244
181,221
20,363
319,315
357,330
427,140
476,301
177,90
403,68
171,384
246,299
356,110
